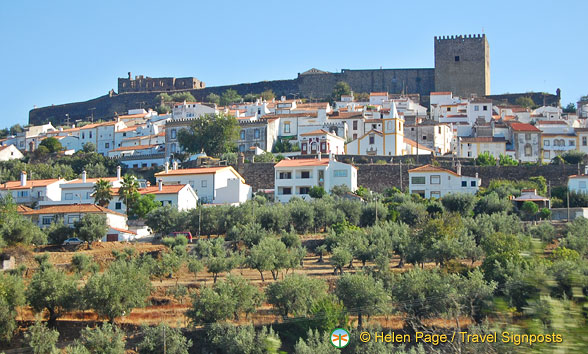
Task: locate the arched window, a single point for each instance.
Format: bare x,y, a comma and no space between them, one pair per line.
528,150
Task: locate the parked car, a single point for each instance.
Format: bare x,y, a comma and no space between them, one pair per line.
186,234
72,241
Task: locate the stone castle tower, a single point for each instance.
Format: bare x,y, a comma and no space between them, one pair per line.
462,65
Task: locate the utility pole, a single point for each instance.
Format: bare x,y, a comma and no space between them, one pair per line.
400,165
92,115
164,344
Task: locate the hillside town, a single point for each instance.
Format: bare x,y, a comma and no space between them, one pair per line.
213,219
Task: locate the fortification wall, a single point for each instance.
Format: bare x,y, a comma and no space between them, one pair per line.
379,177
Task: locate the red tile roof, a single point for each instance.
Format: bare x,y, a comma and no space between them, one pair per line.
302,163
431,168
136,147
30,184
165,189
199,171
71,208
440,93
524,127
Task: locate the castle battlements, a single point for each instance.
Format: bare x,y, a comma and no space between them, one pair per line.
464,37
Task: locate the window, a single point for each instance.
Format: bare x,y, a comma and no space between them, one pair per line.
47,220
485,108
173,133
354,125
547,155
439,128
286,191
106,145
374,126
476,108
68,196
304,190
72,219
424,137
340,173
448,109
572,143
144,165
285,175
135,165
203,184
435,179
418,180
464,183
304,146
90,134
323,147
83,135
457,58
242,135
584,141
472,183
435,194
242,148
117,205
354,136
313,147
286,127
372,139
305,174
528,150
546,142
256,133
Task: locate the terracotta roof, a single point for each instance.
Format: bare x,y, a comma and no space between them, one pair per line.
483,139
130,116
136,147
431,168
302,162
524,127
199,171
378,93
291,115
30,184
165,189
345,115
22,208
71,208
123,230
440,93
91,180
559,134
552,122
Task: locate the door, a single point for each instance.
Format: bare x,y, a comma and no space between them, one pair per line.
112,237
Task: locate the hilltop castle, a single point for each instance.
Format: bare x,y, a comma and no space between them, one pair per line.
462,66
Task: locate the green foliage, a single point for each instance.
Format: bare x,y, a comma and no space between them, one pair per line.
250,234
122,287
269,255
574,157
89,147
340,257
411,213
526,102
102,192
230,339
155,337
577,236
341,88
283,145
17,229
53,290
492,203
507,160
361,294
107,339
230,96
144,205
174,241
301,215
544,231
52,144
296,294
182,96
165,220
12,295
266,157
42,339
227,299
268,95
316,343
128,192
83,264
485,159
570,108
91,227
317,192
213,98
529,210
214,134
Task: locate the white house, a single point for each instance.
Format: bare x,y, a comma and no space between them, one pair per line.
10,152
213,185
191,110
32,191
389,141
474,146
434,182
578,183
294,178
179,196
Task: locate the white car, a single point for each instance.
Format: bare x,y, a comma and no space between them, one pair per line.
72,241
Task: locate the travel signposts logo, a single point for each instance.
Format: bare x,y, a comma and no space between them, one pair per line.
339,338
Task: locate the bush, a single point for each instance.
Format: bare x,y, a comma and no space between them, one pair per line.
42,339
492,203
108,339
485,159
573,157
153,340
462,203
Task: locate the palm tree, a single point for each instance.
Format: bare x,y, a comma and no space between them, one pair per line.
102,193
128,191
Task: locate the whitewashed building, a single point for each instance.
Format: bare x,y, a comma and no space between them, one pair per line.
213,185
295,178
10,152
472,147
434,182
28,191
321,141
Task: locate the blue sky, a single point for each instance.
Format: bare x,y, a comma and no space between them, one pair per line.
64,51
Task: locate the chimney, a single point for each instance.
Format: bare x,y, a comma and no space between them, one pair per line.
118,169
586,170
166,167
458,167
23,178
319,155
283,98
160,185
84,176
175,165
